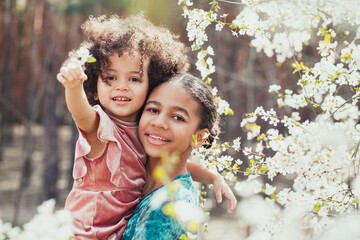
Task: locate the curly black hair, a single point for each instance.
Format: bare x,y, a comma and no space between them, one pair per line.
111,34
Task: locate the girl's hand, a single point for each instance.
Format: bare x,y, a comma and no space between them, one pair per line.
222,188
71,76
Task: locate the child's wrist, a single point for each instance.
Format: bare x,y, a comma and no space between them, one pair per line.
74,89
73,86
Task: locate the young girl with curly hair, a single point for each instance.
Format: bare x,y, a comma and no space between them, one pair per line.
132,57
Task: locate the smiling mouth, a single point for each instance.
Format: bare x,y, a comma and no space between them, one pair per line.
123,99
157,138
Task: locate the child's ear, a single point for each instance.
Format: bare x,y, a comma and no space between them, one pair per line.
199,138
96,97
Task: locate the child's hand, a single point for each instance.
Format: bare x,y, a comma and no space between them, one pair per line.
222,188
71,76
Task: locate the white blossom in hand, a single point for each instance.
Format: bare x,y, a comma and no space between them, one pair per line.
82,56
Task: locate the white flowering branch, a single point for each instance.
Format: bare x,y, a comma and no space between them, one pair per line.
319,155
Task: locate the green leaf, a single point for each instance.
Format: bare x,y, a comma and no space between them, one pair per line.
208,80
91,59
323,31
229,111
327,39
317,207
183,237
194,139
263,169
233,26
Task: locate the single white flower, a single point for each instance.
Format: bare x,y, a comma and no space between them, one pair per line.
219,27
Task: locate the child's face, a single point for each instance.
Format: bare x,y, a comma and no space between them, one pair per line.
122,91
169,120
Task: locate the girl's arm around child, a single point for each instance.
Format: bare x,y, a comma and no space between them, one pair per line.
204,175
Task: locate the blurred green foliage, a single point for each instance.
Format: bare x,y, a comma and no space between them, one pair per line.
164,12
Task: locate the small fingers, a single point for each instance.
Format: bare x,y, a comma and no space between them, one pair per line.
222,188
218,195
74,73
232,201
71,75
66,73
60,78
79,73
231,207
83,77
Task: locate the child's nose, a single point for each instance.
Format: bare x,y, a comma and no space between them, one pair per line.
160,121
122,85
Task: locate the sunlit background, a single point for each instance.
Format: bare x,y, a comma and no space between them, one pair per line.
37,134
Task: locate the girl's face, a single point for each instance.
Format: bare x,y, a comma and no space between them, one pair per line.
122,91
169,120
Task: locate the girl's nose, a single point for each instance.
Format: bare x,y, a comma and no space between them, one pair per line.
122,85
160,121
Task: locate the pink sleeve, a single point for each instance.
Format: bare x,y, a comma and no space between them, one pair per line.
105,133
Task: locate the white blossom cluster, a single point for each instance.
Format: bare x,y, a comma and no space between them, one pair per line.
47,224
320,155
319,158
198,21
282,27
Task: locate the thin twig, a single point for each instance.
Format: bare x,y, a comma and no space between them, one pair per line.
293,53
352,98
231,2
355,170
240,3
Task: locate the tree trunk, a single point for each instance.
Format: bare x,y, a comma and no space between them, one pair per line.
2,62
49,114
7,22
35,89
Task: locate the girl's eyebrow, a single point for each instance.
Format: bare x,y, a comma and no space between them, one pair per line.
182,110
135,72
177,108
107,70
153,102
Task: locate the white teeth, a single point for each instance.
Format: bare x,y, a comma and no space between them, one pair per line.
121,99
158,138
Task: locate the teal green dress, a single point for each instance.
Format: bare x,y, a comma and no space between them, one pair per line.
148,222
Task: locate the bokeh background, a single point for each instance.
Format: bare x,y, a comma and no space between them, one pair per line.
37,135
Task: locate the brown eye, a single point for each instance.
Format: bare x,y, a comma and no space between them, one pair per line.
179,118
110,78
152,110
134,79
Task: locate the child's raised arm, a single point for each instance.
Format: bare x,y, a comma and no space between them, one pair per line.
85,117
204,175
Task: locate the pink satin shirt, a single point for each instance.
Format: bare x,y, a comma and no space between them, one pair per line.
107,189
